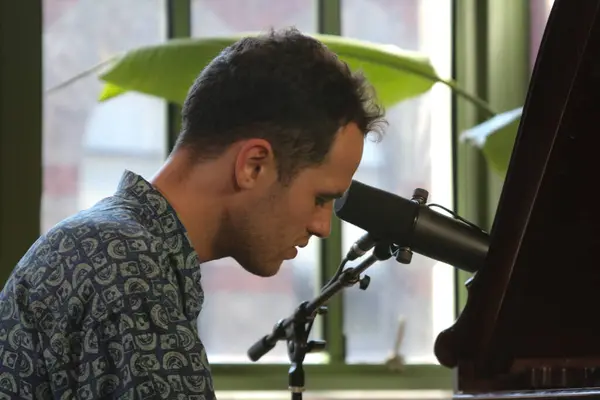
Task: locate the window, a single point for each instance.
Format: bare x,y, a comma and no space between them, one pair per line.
539,10
87,144
240,308
422,292
415,153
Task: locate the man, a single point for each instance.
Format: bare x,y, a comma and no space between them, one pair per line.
105,304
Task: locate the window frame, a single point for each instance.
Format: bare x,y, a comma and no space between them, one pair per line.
20,129
475,23
486,63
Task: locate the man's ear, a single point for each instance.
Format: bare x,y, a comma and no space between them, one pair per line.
254,163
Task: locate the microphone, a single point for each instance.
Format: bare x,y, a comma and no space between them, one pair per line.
411,224
365,243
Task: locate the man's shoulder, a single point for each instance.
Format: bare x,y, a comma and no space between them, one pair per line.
95,236
96,251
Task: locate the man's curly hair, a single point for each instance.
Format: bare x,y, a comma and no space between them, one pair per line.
283,86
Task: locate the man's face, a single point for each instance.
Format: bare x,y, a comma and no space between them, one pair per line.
276,219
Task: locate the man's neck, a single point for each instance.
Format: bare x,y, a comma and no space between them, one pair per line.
196,203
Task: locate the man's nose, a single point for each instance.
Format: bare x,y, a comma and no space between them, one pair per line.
320,226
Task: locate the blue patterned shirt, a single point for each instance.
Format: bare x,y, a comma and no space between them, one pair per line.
104,306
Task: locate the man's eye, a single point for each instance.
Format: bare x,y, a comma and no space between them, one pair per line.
320,201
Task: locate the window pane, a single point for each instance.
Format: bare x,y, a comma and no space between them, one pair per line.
240,308
87,144
415,153
226,17
539,12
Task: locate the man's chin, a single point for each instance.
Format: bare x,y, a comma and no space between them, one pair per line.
270,271
264,270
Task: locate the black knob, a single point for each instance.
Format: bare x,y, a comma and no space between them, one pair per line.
420,196
364,282
404,255
315,346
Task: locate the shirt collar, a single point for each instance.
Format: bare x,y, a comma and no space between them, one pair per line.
158,211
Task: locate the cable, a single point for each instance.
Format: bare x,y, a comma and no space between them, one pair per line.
337,274
456,216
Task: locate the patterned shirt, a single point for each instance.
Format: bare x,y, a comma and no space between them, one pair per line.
104,306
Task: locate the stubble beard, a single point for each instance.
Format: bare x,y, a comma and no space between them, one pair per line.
245,236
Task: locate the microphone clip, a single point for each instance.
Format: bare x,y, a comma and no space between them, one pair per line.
405,253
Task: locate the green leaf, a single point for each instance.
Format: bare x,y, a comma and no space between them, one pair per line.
109,91
496,138
168,70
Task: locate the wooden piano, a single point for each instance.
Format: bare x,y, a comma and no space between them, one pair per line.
531,324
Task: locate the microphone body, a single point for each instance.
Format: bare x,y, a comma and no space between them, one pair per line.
448,240
408,223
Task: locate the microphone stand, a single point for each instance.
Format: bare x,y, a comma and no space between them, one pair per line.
296,328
